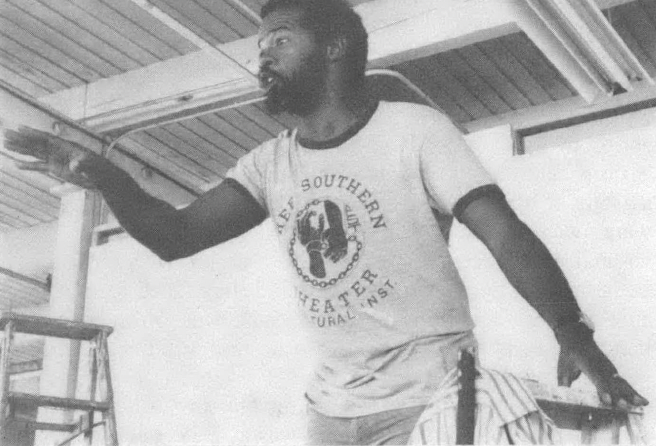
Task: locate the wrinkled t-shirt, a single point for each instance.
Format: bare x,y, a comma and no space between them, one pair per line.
373,278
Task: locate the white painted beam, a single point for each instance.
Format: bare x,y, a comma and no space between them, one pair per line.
246,10
398,31
15,112
571,108
580,42
181,86
401,31
188,34
538,24
164,88
171,23
605,4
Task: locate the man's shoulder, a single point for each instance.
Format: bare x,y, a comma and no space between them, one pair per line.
274,144
412,113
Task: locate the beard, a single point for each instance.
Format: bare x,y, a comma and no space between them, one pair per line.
300,93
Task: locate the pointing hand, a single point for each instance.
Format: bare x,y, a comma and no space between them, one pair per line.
56,156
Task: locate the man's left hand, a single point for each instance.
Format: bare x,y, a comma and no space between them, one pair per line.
587,357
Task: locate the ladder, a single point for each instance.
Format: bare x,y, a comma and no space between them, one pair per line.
100,383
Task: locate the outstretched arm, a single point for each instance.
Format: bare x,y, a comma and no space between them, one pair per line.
221,214
217,216
532,270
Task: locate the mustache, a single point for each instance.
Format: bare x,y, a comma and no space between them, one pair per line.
267,73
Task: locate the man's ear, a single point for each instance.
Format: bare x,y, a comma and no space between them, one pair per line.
336,49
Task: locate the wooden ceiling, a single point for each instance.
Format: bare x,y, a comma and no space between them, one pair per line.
488,78
50,46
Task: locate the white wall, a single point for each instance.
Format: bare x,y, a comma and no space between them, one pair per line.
593,203
207,350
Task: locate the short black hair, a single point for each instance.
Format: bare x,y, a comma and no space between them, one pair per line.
328,20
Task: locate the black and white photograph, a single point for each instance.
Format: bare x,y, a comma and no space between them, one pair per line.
327,222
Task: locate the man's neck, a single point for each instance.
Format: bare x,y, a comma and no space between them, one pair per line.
334,117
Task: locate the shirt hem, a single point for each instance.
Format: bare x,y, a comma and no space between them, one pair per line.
371,411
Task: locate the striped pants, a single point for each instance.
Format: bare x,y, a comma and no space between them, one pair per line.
506,413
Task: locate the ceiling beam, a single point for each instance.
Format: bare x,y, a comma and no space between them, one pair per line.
188,34
171,23
184,85
605,4
22,278
17,111
223,76
574,110
402,31
582,45
246,10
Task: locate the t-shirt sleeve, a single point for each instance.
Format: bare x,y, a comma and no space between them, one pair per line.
249,172
449,167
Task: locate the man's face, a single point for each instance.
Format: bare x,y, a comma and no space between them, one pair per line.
293,67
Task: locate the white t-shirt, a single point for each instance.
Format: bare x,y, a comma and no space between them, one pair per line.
374,280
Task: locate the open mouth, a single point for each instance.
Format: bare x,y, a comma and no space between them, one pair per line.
267,80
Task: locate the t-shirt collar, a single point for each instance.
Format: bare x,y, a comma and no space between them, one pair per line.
342,138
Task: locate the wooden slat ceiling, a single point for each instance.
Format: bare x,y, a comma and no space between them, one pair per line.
635,22
474,82
16,293
215,21
51,45
25,198
203,149
489,78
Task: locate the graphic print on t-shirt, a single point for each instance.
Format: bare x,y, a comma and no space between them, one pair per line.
326,226
323,248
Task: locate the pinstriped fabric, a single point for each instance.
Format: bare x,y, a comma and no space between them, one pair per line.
635,430
506,413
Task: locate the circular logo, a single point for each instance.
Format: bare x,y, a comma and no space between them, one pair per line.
324,247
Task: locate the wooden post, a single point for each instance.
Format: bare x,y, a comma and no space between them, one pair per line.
4,376
107,395
93,380
61,357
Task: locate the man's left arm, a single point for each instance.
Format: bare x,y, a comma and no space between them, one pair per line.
534,273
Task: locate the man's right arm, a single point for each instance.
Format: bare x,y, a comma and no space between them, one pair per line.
220,214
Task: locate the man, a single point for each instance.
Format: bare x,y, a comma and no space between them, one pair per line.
350,192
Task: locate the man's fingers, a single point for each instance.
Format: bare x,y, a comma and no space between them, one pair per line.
37,143
622,404
620,394
34,134
630,395
639,400
25,144
32,131
80,179
38,166
27,133
22,149
568,370
567,377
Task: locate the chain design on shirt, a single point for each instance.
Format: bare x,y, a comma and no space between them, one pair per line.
319,246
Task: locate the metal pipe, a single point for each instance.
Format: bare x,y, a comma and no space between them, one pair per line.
408,83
